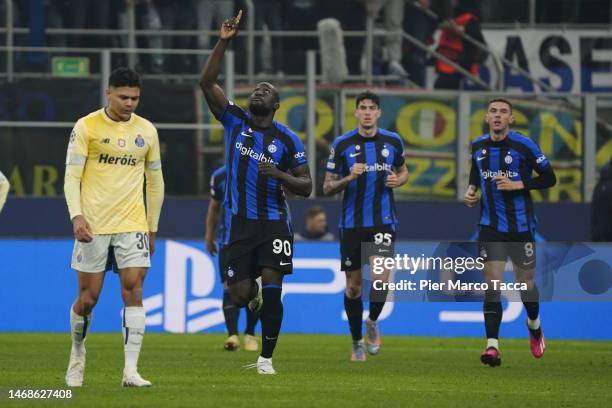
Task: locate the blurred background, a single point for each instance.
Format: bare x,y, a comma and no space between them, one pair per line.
434,62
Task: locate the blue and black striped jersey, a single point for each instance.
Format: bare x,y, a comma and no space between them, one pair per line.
249,194
367,202
515,157
217,193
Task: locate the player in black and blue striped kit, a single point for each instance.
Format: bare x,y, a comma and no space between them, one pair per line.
217,245
366,163
262,157
502,164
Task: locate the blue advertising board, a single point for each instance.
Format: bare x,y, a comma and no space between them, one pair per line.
183,294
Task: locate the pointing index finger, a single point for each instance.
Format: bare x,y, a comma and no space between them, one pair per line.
238,17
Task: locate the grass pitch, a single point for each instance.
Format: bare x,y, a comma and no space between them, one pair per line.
313,371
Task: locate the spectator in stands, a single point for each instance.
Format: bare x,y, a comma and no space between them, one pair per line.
89,14
177,18
315,226
601,207
455,48
302,15
55,17
393,11
210,14
18,21
147,17
351,15
36,16
421,24
270,13
158,15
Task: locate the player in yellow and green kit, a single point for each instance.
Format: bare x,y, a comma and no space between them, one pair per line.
111,153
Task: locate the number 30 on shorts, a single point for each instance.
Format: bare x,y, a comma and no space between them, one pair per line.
382,238
279,245
143,241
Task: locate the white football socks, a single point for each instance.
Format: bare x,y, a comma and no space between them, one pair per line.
493,343
78,330
133,332
533,324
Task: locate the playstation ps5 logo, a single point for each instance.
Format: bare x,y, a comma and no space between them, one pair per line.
187,304
189,273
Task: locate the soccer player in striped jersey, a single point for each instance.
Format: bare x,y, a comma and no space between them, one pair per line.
366,163
111,153
262,157
502,165
4,189
216,212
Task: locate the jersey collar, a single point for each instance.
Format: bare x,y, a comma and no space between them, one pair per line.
500,143
108,119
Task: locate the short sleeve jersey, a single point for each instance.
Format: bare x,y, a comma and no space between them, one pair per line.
366,201
250,194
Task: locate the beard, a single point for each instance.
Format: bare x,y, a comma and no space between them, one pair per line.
259,109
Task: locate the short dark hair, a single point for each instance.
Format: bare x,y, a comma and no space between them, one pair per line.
123,76
313,211
503,100
367,95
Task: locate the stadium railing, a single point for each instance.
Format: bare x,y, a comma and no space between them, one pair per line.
573,130
131,34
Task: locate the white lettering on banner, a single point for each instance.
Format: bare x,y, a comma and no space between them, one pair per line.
190,271
172,309
203,275
183,261
386,312
151,304
602,79
577,61
336,285
510,314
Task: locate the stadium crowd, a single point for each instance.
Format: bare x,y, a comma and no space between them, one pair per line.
280,55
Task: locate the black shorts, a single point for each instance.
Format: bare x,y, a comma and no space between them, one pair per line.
222,260
255,244
498,246
351,239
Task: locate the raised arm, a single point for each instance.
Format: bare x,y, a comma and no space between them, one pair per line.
217,101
